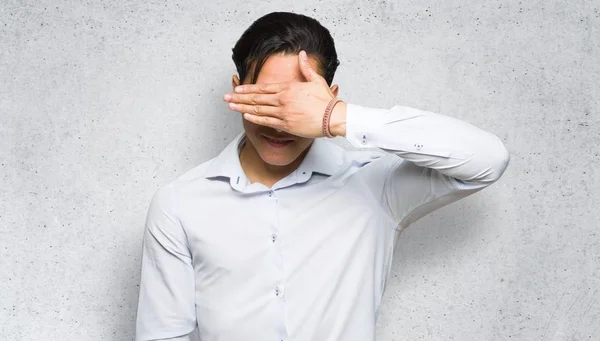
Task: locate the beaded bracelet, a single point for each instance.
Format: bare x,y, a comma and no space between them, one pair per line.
327,116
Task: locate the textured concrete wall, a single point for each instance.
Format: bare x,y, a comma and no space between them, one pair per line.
103,101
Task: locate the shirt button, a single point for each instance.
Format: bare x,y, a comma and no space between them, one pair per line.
273,237
277,291
270,193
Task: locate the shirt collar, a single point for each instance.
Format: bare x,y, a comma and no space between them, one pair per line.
227,163
323,157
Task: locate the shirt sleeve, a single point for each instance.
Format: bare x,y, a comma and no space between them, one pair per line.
166,306
440,159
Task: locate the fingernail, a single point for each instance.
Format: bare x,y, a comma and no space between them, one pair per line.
239,88
227,97
303,55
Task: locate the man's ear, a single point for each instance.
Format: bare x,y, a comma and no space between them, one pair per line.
235,81
335,89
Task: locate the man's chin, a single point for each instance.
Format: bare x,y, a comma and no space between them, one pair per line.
279,161
277,157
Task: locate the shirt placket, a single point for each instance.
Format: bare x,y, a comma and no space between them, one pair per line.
278,259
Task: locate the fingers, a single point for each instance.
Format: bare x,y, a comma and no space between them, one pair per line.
258,110
253,99
254,103
305,67
307,70
268,121
264,88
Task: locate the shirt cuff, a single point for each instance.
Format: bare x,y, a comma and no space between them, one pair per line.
362,124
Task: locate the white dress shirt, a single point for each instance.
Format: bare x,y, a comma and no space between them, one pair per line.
309,258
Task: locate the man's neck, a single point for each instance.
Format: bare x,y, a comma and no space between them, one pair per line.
257,170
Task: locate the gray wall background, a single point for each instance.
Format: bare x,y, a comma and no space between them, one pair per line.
103,101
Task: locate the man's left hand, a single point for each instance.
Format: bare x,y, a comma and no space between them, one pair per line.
294,107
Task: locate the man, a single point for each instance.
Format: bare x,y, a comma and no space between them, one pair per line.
285,235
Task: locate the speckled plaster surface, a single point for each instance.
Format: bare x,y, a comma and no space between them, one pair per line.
103,101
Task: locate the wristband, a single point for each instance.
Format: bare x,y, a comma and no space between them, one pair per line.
327,116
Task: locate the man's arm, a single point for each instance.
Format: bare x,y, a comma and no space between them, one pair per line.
448,159
441,159
166,308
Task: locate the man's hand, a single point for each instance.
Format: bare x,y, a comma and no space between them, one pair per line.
294,107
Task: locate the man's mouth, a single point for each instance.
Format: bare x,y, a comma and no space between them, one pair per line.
277,142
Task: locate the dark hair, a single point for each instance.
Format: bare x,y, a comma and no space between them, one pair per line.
288,33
